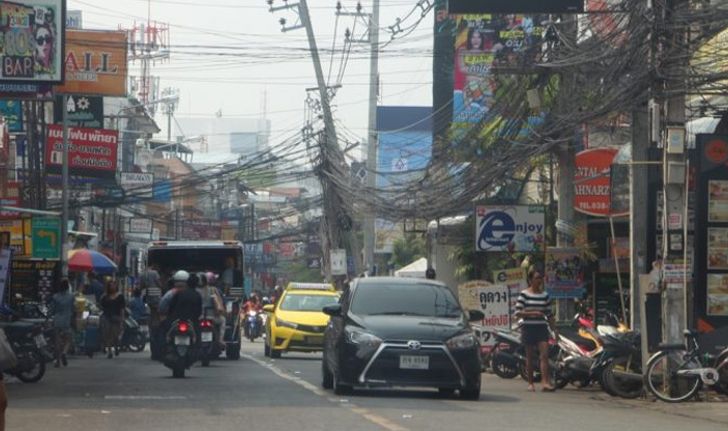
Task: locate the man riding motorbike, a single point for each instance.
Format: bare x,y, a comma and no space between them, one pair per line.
252,304
212,304
181,302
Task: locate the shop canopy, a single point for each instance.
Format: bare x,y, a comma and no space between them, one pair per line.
415,269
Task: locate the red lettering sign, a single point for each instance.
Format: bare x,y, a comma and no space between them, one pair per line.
592,181
91,152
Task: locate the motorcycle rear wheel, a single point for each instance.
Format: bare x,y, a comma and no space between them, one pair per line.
623,386
31,360
137,343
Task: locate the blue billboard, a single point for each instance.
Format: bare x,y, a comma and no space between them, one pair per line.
405,143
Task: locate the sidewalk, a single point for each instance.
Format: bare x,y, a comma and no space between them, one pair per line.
712,407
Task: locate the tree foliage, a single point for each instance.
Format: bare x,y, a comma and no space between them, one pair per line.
407,249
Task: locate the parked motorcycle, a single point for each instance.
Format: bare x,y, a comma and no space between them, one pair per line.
622,374
209,347
505,355
252,326
24,338
133,337
181,345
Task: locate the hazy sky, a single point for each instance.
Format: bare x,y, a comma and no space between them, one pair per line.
244,54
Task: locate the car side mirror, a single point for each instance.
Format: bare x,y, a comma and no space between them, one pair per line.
475,315
269,308
332,310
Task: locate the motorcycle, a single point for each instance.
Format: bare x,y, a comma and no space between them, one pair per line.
133,337
252,325
209,347
26,339
622,374
505,355
181,345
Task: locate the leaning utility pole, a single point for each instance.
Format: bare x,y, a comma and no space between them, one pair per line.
332,231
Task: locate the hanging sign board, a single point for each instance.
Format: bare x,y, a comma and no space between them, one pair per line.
592,185
511,229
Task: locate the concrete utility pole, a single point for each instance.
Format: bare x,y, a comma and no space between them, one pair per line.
64,191
638,212
373,139
674,296
332,231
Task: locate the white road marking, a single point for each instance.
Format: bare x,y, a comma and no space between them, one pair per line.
366,414
145,397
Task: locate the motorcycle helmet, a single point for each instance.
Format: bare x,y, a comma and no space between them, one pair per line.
181,276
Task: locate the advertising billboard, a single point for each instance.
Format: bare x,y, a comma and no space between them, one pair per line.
12,110
31,40
81,111
95,63
515,6
92,152
592,182
510,228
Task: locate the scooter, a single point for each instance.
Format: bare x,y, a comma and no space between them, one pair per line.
133,338
252,325
25,340
181,345
209,347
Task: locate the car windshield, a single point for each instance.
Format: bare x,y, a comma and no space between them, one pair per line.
303,302
405,299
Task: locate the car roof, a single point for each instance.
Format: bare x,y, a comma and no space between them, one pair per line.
397,280
311,292
294,285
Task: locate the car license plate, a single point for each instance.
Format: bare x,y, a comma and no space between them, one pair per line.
181,341
206,337
407,362
40,341
314,340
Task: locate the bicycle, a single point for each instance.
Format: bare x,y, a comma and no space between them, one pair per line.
678,371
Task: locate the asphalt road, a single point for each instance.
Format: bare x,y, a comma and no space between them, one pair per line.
256,393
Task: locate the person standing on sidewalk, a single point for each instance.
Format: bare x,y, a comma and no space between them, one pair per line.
533,307
113,305
62,303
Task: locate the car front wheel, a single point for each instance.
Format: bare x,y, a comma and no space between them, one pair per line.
471,393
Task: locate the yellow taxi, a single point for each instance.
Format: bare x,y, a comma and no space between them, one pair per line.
296,323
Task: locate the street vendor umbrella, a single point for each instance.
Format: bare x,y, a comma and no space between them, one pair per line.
85,260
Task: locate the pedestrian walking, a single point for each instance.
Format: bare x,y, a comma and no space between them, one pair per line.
533,307
112,319
137,307
95,287
63,303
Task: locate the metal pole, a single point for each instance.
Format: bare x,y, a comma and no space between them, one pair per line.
64,191
619,273
369,233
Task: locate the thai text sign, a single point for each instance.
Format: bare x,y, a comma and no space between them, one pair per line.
91,152
31,40
515,280
592,186
137,185
95,63
511,229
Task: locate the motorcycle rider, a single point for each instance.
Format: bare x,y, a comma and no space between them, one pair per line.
182,302
212,305
252,304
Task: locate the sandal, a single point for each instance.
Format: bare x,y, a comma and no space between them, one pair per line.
548,389
531,388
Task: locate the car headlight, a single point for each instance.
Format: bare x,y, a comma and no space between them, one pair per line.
463,341
286,324
366,343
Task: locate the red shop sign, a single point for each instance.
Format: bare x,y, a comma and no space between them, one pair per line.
91,152
592,181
